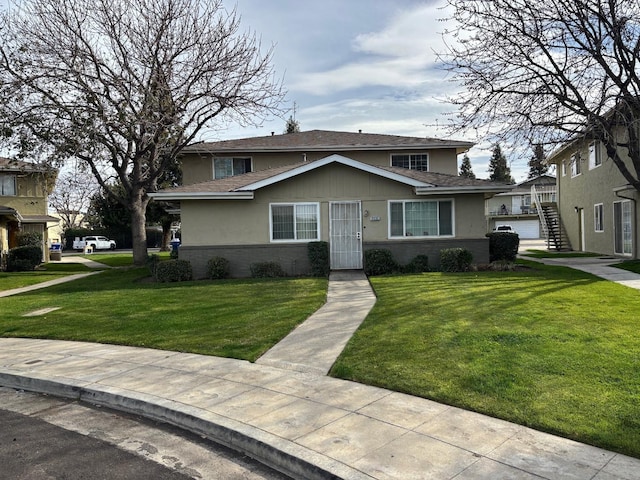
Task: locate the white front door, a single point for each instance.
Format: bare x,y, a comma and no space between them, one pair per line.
345,234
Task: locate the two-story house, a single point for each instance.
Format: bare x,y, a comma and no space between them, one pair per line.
24,190
597,206
263,199
519,209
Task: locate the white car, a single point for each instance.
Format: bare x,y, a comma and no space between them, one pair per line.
505,229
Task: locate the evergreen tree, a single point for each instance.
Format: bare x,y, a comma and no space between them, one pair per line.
536,165
293,126
498,167
465,168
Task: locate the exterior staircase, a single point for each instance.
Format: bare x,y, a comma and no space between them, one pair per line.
553,228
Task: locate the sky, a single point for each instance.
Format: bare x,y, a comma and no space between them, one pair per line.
367,65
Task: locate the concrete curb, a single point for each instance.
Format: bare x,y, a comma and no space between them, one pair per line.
278,453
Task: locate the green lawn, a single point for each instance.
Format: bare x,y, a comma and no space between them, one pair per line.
50,271
118,259
630,265
232,318
552,348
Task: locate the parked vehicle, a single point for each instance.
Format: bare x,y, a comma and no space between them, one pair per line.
504,229
94,243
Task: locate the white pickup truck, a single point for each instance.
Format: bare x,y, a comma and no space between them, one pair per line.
94,243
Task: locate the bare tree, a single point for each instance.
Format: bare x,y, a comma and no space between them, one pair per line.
72,195
549,71
127,84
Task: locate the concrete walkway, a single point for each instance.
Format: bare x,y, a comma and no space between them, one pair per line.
305,425
314,346
598,266
284,412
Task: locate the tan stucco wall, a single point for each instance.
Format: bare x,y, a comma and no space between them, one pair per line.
199,167
246,222
31,198
584,191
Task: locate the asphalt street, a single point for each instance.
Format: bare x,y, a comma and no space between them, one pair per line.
46,438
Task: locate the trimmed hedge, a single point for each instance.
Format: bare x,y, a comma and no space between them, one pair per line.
152,263
503,246
379,261
30,239
217,268
23,259
266,270
419,264
173,271
319,258
455,260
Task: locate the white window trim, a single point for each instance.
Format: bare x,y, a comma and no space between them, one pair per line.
218,157
420,237
597,154
410,154
294,240
595,217
575,165
564,168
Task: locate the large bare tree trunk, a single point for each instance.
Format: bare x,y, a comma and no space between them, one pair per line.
138,229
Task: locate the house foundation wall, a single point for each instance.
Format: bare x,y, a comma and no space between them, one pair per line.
293,258
405,251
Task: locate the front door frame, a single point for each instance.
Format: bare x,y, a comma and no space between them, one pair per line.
352,240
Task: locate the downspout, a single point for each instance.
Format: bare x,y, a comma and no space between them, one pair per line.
617,192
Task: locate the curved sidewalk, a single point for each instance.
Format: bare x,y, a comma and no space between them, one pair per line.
303,423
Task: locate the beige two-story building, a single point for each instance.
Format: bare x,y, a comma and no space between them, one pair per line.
264,199
24,192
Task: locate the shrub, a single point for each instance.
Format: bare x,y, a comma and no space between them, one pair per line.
25,258
319,258
419,264
503,246
217,268
379,261
266,270
455,260
30,239
173,271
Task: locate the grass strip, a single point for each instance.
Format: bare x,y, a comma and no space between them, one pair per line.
232,318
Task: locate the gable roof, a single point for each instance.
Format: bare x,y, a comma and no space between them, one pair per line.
323,140
11,165
243,186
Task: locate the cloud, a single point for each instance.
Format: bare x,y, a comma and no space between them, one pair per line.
400,55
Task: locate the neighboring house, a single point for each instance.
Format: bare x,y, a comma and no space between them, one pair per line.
597,206
516,208
24,191
263,199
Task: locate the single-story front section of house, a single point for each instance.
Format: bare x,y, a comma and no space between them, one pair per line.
271,215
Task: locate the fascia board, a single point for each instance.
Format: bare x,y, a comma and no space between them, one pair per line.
203,196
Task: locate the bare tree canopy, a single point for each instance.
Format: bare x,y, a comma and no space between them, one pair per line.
548,71
127,84
72,195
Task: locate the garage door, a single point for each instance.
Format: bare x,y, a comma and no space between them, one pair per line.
526,228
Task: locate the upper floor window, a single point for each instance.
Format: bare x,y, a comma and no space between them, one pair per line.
7,185
421,218
595,157
417,161
576,168
224,167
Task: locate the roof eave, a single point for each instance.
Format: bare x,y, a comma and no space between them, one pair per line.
459,190
168,196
